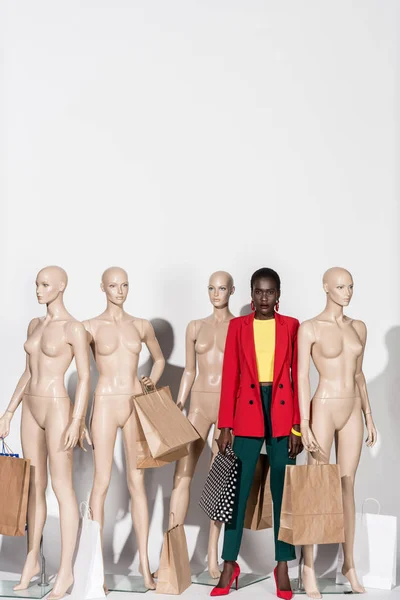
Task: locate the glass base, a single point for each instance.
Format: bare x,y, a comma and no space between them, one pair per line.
245,579
125,583
325,586
33,591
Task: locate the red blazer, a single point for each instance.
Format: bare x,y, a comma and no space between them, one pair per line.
240,405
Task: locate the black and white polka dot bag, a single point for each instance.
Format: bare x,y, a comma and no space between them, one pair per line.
218,497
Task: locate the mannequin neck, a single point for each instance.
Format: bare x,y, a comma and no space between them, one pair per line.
222,313
333,310
115,311
56,309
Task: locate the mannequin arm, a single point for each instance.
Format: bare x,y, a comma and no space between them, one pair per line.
77,337
361,329
189,374
305,340
17,396
230,379
149,338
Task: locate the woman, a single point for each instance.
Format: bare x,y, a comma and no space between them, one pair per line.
259,402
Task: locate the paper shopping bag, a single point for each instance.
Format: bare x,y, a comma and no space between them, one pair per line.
14,478
375,549
164,426
88,565
312,508
258,514
174,575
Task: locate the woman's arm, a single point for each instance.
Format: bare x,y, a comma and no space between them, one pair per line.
361,329
189,374
17,396
295,441
149,338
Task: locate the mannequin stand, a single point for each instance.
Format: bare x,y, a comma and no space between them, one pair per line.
245,579
36,589
325,586
125,583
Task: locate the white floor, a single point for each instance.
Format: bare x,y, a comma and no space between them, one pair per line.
258,591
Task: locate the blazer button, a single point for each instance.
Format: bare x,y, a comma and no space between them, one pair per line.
251,402
282,402
281,385
252,386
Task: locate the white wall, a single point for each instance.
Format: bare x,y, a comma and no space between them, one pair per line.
177,138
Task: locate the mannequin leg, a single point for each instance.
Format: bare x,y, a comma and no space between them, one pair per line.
348,450
215,526
324,430
34,447
60,465
139,508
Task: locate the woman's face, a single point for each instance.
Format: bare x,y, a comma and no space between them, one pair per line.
265,295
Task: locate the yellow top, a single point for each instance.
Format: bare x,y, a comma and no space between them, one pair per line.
264,341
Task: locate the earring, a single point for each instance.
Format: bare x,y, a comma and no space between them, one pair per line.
277,306
252,306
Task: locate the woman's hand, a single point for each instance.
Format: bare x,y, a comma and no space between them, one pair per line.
295,443
372,434
225,438
308,439
5,421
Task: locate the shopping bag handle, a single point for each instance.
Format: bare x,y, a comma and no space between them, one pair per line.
86,511
5,448
147,388
373,500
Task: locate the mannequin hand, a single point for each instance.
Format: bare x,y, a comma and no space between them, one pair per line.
147,382
309,441
84,435
225,438
5,421
72,434
372,433
295,443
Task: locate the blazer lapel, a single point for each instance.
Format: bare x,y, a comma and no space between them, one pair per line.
281,344
249,346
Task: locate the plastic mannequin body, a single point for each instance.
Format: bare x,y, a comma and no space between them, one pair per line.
50,425
336,344
116,341
205,344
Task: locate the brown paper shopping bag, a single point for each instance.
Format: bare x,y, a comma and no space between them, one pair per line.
165,427
312,508
14,479
174,575
259,504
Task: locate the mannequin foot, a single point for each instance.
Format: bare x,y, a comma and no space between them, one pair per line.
310,583
105,588
30,570
62,585
282,576
213,568
148,578
351,576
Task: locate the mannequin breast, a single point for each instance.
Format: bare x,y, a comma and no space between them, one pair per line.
49,356
209,348
335,354
117,349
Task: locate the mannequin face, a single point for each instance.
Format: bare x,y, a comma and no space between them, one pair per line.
265,295
115,285
338,285
50,283
220,288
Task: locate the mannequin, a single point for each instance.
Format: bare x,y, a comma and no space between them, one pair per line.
205,344
336,344
50,425
116,341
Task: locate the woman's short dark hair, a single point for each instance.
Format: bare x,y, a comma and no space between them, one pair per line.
265,273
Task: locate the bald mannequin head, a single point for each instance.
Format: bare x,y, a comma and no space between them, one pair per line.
338,285
114,282
220,288
50,283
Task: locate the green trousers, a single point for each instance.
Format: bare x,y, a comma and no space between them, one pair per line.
247,449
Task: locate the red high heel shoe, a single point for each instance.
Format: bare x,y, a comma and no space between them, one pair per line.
224,591
285,595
